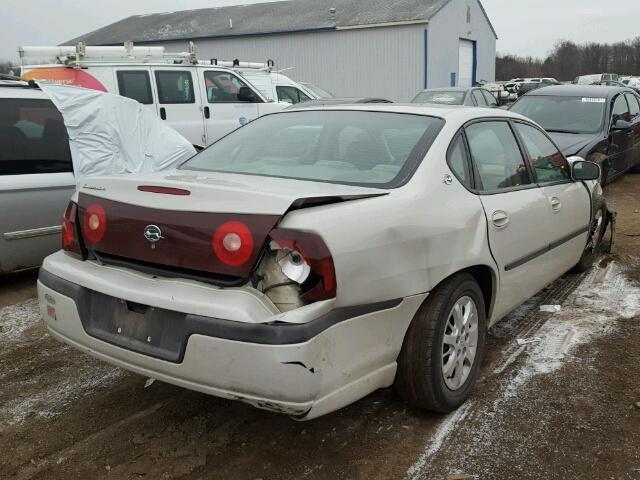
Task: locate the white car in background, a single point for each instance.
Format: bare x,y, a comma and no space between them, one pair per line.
203,101
277,87
254,271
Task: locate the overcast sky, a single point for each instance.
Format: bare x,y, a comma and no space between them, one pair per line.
525,27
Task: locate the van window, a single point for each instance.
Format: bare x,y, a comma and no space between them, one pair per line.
33,138
175,87
291,95
135,84
222,87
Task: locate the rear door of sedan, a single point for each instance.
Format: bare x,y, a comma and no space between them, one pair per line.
569,202
517,211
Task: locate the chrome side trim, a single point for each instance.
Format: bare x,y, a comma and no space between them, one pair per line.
36,232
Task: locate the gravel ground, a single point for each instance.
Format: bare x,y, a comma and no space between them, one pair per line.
563,407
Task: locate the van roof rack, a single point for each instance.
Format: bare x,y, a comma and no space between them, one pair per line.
76,56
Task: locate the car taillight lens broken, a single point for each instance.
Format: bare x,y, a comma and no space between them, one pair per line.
70,239
94,223
320,284
233,243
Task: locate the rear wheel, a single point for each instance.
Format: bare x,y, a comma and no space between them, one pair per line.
444,347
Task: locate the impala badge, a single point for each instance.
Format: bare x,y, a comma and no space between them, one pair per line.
153,234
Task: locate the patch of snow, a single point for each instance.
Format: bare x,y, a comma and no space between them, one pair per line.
55,400
445,429
16,319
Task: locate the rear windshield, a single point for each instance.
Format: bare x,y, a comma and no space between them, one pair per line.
348,147
440,97
563,114
33,138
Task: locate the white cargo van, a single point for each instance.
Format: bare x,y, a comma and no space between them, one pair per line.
202,100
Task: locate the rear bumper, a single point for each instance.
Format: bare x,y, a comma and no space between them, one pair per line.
303,369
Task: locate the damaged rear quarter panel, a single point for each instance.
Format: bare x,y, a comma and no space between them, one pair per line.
402,244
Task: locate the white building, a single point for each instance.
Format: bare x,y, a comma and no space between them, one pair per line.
353,48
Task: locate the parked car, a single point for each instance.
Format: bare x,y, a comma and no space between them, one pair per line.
596,79
36,175
598,123
318,92
202,101
254,272
531,84
277,87
469,97
337,101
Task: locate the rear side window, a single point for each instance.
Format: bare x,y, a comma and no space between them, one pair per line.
480,100
549,164
175,87
291,95
491,100
135,84
497,156
457,159
33,138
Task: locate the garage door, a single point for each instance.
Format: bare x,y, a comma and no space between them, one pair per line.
465,66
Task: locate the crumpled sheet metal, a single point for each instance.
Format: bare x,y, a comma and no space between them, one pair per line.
114,135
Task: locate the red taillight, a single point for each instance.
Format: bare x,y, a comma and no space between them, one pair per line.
70,240
321,284
95,223
164,190
233,243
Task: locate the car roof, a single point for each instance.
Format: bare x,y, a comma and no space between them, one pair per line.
579,91
455,113
448,89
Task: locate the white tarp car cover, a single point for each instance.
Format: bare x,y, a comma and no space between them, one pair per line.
112,135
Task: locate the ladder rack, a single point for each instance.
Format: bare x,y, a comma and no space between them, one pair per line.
82,54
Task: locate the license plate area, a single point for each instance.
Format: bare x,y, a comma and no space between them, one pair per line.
136,327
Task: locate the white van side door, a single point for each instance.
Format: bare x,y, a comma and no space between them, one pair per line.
223,111
179,101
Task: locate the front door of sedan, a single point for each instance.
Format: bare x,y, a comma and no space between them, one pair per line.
569,202
620,143
516,209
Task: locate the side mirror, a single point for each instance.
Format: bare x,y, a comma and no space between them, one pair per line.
583,171
245,94
621,125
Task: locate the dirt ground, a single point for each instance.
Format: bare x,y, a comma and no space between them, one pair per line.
563,407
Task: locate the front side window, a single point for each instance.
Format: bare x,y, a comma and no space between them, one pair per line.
175,87
33,138
291,95
223,87
634,107
549,164
563,114
621,109
135,84
359,148
497,156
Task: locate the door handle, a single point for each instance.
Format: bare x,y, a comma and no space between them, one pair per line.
207,113
500,219
163,113
556,204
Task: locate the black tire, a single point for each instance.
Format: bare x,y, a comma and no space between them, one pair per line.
590,251
420,379
635,169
